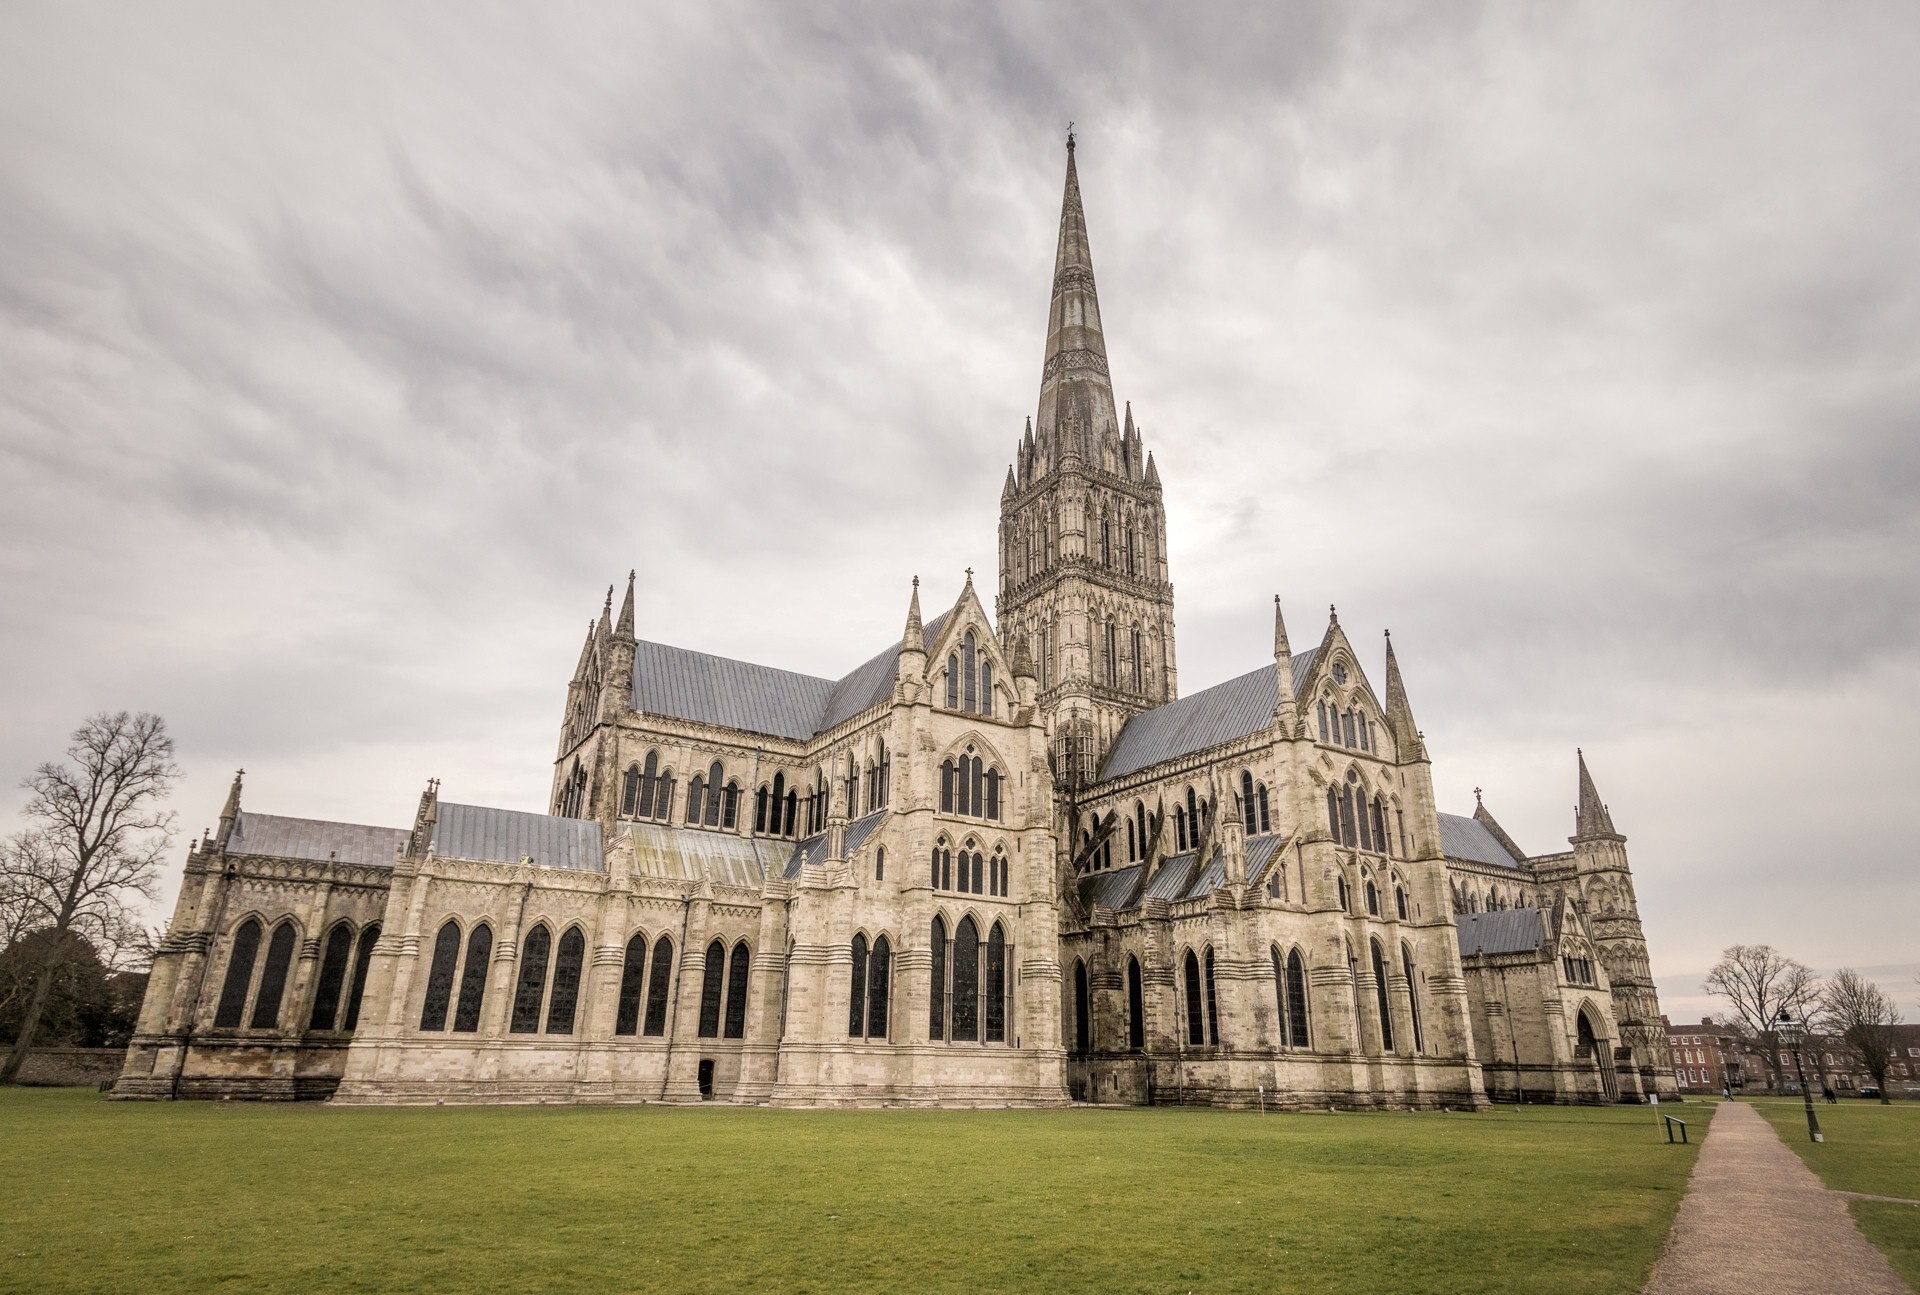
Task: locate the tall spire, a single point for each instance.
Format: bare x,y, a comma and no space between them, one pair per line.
915,638
1406,733
1076,394
625,628
1283,699
1590,817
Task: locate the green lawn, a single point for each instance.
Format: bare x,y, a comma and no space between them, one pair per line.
1869,1148
99,1196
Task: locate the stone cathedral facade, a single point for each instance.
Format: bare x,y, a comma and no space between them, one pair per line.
1002,862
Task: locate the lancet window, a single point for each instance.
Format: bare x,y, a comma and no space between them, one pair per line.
868,990
532,986
362,963
968,787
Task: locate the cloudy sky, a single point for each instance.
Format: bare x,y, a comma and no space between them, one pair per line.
348,354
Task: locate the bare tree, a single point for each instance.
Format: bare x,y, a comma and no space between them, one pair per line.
1860,1013
94,842
1759,982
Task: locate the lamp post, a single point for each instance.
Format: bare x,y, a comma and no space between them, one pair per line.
1791,1032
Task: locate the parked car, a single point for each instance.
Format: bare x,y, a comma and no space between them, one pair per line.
1869,1091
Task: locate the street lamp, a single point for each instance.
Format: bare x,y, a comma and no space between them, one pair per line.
1791,1032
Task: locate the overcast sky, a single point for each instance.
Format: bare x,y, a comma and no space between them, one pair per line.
346,357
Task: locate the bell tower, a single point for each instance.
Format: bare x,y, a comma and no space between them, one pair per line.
1083,532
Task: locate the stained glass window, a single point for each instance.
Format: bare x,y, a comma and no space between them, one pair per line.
273,978
233,992
633,971
1136,1007
937,984
966,981
1196,1010
659,984
446,953
737,993
857,990
1380,997
996,990
533,981
711,985
1082,1008
473,980
1297,1034
566,982
362,962
879,984
333,978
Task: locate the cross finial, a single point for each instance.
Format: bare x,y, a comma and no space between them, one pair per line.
916,582
969,575
1069,137
1476,797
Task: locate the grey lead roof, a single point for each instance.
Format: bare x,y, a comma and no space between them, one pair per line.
510,835
756,698
689,853
810,851
1469,839
1222,713
1513,930
1179,877
313,838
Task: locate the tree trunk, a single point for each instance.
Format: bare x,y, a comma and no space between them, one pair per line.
29,1023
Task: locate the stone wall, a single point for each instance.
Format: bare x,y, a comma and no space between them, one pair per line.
71,1067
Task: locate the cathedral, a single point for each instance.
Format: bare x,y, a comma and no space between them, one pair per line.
1002,862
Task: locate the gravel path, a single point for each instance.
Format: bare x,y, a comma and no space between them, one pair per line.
1757,1219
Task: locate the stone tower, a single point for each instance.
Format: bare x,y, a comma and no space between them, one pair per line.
1606,882
1083,532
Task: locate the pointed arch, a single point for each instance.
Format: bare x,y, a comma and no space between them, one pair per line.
233,991
567,965
966,981
995,992
1082,1007
857,990
659,986
1380,996
473,980
1213,1014
273,978
937,982
1299,1034
362,963
531,987
738,970
333,977
879,987
1136,1006
1196,1008
633,974
1413,995
712,985
446,952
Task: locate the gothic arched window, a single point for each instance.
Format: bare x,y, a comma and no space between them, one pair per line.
953,681
1400,902
730,807
879,987
473,980
937,983
1340,888
1249,813
1333,814
362,963
993,795
333,978
645,806
857,990
629,791
1380,997
1213,1014
566,982
966,981
986,688
996,989
1413,995
969,680
633,973
1136,1007
711,987
1373,900
696,798
446,952
1379,825
1196,1011
273,979
737,992
1082,1008
1297,1033
533,981
659,986
1179,827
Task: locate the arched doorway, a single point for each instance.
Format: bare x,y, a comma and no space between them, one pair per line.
1588,1044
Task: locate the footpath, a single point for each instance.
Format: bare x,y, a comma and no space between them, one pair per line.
1755,1218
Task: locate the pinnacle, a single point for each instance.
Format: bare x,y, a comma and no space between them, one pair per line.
625,627
914,639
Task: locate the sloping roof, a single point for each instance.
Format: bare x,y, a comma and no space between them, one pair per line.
510,835
756,698
1260,852
1108,889
1513,930
688,854
1226,711
811,851
1469,839
313,838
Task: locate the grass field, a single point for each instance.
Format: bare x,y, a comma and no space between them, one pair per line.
103,1196
1869,1148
